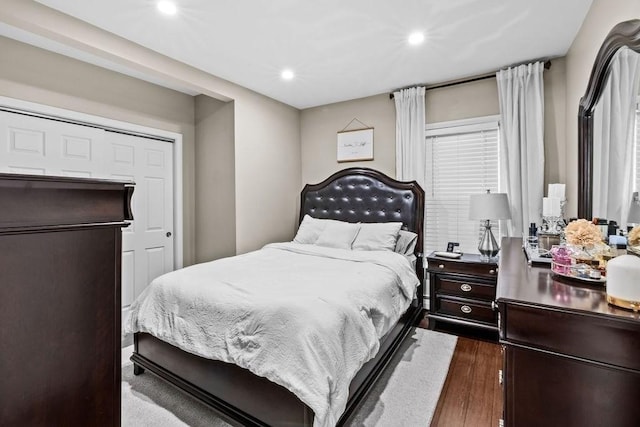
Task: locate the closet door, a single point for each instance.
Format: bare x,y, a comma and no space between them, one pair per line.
147,245
40,146
35,146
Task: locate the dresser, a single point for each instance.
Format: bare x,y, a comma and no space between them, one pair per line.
60,256
570,359
462,294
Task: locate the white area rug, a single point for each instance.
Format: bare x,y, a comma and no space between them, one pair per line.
405,395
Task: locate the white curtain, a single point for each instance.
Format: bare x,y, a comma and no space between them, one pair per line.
410,136
613,135
521,97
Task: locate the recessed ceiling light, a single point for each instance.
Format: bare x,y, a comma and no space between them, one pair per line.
167,7
416,38
287,74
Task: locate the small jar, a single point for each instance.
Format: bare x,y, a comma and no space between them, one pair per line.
561,259
603,225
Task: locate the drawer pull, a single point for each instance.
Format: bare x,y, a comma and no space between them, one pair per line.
492,272
465,309
441,266
465,288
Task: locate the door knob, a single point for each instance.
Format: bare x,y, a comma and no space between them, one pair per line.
168,234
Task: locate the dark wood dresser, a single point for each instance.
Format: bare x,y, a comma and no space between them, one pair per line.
462,293
60,255
570,359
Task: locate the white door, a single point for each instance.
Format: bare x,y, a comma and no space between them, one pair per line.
38,146
147,244
35,146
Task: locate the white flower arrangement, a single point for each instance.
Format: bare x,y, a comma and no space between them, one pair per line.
583,233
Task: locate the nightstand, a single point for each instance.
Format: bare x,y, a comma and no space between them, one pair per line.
462,295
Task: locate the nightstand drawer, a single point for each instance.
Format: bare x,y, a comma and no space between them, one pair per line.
466,310
478,269
466,288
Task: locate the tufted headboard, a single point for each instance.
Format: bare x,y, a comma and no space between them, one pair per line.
366,195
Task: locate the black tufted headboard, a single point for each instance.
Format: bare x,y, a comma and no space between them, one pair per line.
366,195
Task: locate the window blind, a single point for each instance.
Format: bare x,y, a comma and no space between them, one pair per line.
461,160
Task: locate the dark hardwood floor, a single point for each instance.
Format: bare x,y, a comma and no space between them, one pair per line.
471,395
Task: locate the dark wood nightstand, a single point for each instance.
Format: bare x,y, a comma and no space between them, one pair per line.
462,295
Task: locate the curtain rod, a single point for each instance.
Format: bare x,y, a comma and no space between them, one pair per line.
547,65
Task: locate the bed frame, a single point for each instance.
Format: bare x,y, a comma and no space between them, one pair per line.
354,195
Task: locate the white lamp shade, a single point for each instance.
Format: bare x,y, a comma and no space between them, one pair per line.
489,206
634,210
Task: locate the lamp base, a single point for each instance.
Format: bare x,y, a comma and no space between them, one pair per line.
488,246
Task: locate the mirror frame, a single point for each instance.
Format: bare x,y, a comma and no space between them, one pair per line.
627,34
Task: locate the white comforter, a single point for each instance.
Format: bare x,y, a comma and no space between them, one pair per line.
303,316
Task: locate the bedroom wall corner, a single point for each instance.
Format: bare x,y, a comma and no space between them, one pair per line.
555,100
215,179
268,170
601,18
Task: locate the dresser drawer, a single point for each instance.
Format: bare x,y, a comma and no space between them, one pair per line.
478,269
593,338
465,287
472,311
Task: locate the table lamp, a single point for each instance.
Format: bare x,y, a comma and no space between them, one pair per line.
487,207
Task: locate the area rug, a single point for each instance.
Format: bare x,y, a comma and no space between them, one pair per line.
405,395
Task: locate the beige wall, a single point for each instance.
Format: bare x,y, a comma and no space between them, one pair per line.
36,75
463,101
267,171
215,179
602,17
555,100
475,99
320,125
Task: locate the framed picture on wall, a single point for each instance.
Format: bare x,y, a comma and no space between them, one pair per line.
355,145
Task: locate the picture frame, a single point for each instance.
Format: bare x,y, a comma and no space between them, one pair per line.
355,145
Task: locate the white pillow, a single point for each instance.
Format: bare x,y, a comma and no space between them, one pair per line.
381,236
338,234
406,242
309,230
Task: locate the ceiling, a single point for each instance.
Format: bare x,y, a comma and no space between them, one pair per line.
338,50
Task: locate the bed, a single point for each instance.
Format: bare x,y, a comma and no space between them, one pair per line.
354,195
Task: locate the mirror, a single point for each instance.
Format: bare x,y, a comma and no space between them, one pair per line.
605,134
614,139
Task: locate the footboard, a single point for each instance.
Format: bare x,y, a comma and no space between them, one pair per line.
234,392
241,396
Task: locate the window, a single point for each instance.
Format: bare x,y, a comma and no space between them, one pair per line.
462,159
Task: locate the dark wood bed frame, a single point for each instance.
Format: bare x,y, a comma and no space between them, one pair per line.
354,195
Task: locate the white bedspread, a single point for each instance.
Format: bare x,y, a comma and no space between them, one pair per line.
303,316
